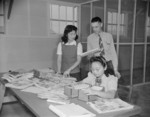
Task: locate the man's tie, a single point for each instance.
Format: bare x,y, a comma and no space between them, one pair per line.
101,46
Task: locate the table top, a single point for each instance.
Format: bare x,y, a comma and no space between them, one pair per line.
39,107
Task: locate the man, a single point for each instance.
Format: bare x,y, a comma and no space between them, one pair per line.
104,41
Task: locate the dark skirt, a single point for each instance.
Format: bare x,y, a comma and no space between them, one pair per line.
77,76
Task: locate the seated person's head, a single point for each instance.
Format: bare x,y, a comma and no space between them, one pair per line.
99,66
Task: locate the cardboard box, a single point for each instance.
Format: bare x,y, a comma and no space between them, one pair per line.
86,97
71,92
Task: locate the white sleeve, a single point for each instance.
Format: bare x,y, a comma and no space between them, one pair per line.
113,83
79,49
59,49
113,53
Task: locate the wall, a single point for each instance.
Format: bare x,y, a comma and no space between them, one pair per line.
28,42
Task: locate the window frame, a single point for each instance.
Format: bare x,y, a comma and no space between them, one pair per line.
124,25
73,21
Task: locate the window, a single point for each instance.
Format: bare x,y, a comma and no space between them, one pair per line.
148,27
112,23
61,15
2,17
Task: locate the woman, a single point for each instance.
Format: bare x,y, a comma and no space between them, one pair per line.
69,51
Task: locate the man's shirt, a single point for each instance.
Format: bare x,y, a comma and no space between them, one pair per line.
108,44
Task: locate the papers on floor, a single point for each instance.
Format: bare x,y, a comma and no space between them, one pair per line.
90,52
71,110
109,105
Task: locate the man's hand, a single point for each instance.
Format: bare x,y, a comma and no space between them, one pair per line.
117,74
97,54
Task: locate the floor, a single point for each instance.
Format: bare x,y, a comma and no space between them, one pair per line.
140,96
15,110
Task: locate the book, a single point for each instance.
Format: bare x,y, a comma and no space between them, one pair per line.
71,110
10,77
90,52
109,105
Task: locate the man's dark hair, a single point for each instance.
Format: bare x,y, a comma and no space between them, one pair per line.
96,19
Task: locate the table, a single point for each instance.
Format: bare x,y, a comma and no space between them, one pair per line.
39,107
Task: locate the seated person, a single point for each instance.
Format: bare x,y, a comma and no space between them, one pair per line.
103,77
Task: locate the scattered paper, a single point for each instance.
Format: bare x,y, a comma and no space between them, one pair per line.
33,89
19,84
109,105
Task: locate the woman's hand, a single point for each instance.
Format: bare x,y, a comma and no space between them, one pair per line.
67,73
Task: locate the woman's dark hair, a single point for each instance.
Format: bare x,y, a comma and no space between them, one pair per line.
96,19
68,29
103,62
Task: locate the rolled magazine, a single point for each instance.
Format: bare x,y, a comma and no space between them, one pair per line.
91,52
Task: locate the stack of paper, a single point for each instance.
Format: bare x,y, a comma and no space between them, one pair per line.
71,110
10,77
19,84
